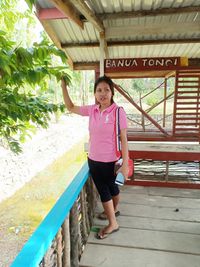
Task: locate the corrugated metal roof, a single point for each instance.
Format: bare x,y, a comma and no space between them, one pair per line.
68,32
170,30
114,6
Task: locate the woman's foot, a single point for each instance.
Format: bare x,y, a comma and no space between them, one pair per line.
102,216
105,232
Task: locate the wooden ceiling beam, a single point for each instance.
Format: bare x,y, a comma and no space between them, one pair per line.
137,74
86,66
153,42
50,13
68,9
132,43
52,35
81,45
54,39
91,17
89,14
105,46
54,13
145,13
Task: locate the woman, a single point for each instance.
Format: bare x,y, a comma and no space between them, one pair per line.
102,147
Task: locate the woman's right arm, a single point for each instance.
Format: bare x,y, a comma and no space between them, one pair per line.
68,103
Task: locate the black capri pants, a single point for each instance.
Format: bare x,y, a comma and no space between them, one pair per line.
104,179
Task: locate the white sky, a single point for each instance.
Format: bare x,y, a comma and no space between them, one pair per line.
22,6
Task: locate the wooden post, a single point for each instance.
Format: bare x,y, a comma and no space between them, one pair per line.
97,74
88,190
84,215
79,224
167,171
199,169
59,248
164,104
50,257
87,209
66,239
74,235
142,116
91,200
198,107
94,196
101,41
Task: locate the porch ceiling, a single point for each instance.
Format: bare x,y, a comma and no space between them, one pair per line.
127,28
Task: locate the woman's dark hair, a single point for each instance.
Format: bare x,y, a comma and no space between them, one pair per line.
107,80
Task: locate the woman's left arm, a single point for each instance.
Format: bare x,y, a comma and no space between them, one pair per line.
124,150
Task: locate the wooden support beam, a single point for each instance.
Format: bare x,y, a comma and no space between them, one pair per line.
86,66
81,45
50,13
133,43
88,13
54,38
68,9
153,42
137,74
170,74
145,13
119,89
104,43
101,59
52,35
47,27
165,105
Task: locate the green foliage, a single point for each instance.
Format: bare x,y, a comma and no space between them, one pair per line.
14,19
21,110
20,113
30,3
151,100
140,85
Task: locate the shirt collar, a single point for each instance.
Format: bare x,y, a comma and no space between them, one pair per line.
108,109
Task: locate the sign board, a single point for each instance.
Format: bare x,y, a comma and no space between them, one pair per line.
143,64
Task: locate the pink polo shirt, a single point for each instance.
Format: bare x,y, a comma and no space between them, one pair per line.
102,145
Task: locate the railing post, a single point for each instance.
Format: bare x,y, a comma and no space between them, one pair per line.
84,215
73,219
66,239
59,248
91,199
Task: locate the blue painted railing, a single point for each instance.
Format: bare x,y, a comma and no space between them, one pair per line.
36,247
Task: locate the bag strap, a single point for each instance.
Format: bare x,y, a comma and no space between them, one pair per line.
117,132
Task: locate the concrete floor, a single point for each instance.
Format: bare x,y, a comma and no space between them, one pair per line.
159,227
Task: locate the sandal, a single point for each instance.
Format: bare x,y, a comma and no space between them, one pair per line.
102,216
102,235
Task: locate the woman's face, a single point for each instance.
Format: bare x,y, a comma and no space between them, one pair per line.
103,94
